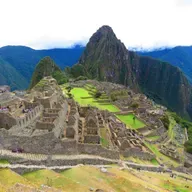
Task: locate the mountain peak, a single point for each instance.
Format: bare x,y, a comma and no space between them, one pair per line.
103,32
105,29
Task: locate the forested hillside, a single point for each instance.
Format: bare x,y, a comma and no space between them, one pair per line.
22,61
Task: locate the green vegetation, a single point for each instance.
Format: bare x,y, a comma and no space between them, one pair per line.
135,105
170,128
80,78
128,119
20,62
3,161
137,72
84,98
114,95
184,124
104,137
47,67
76,71
53,179
159,155
97,94
9,178
82,178
10,76
113,180
153,138
165,121
60,77
154,162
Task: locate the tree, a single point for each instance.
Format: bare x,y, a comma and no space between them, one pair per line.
97,94
134,105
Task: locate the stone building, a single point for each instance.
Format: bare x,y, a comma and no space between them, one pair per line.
92,128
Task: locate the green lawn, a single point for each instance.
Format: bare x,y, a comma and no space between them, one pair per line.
53,179
128,120
83,97
153,138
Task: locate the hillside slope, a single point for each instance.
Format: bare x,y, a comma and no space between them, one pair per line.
89,178
106,58
24,59
10,76
180,56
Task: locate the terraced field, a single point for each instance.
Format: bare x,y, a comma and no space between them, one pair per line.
85,98
130,122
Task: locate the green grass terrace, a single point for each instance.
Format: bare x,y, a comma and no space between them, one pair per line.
130,123
85,98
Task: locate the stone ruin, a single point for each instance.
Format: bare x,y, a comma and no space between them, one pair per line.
72,121
37,113
43,121
4,88
91,129
128,141
171,151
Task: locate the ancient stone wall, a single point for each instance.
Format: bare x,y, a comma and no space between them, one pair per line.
7,121
94,149
48,102
29,117
92,139
54,120
41,144
134,152
73,120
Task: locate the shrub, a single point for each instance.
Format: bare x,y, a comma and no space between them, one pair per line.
165,121
81,78
113,97
60,77
70,95
176,117
69,88
98,94
134,105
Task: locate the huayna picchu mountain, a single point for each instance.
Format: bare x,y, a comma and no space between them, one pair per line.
47,67
106,58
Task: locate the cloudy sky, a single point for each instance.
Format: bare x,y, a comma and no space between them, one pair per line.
62,23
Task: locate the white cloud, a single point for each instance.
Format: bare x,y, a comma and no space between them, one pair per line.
61,23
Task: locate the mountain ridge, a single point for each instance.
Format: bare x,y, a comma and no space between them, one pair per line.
179,56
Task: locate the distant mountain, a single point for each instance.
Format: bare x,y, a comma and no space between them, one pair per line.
23,60
180,56
10,76
106,58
